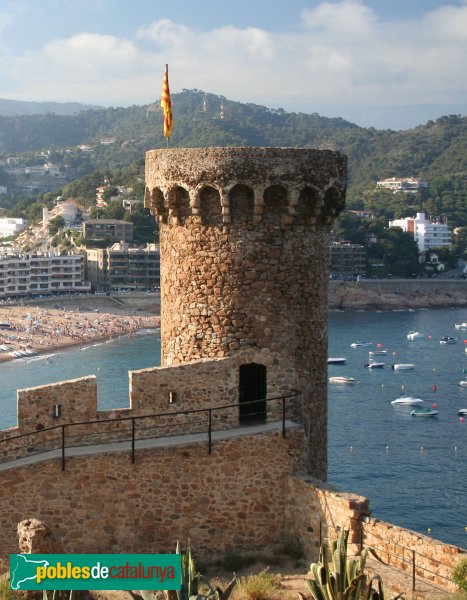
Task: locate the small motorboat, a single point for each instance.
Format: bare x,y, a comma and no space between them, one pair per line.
342,379
424,412
403,367
336,360
361,344
374,365
414,335
462,411
463,383
377,352
407,401
461,326
446,339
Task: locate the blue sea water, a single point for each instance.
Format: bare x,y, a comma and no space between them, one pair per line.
412,469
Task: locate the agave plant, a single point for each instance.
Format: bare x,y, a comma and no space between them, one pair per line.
192,581
338,577
335,576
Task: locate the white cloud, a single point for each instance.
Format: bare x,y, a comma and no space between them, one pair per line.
343,55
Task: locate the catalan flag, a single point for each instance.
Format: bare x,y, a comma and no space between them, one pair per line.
166,104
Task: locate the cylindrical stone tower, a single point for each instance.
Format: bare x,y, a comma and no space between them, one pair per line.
244,237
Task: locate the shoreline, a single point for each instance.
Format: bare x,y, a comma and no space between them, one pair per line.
45,330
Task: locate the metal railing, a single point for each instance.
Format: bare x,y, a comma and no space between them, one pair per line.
148,426
406,559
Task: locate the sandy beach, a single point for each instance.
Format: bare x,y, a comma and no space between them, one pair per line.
42,329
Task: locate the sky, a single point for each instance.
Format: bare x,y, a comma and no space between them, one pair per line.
379,63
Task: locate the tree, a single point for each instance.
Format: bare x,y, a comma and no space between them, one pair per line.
55,224
400,253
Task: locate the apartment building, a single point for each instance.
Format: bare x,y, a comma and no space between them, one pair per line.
347,260
427,233
25,274
11,226
113,229
123,266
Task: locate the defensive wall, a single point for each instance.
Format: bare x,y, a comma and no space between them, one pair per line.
226,442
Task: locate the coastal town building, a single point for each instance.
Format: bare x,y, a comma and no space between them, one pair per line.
402,184
48,273
347,260
113,229
123,266
11,226
427,233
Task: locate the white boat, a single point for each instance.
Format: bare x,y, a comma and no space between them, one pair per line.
462,411
375,365
377,352
424,412
342,379
361,344
463,383
403,367
461,326
446,339
336,360
414,335
407,401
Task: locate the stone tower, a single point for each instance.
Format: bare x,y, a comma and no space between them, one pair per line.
244,238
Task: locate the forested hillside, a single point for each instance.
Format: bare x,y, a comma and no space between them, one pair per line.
436,151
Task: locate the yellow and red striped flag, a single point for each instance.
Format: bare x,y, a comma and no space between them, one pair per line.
166,104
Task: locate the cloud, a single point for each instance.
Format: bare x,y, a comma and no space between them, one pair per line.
342,54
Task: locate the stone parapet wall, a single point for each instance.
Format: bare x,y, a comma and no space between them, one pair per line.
232,499
316,512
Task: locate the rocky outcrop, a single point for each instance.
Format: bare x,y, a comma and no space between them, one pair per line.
397,294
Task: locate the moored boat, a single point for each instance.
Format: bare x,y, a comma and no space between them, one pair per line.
463,383
360,344
336,360
377,352
462,411
446,339
414,335
403,366
407,401
375,365
461,326
424,412
342,379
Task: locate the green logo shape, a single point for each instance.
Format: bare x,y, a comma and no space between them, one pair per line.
95,571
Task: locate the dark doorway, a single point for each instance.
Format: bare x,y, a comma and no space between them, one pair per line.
252,387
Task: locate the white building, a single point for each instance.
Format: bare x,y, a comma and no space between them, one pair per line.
402,184
25,274
428,234
10,226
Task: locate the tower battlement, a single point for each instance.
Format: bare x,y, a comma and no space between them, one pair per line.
240,186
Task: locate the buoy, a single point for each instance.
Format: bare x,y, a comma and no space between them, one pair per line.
434,405
422,449
434,369
434,388
387,448
402,386
461,419
351,448
394,353
379,345
429,529
382,385
429,337
455,448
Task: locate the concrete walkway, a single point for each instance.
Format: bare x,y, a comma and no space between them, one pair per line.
159,442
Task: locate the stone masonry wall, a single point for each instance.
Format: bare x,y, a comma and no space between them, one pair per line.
315,511
230,499
244,238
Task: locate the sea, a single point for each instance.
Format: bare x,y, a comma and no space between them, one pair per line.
412,469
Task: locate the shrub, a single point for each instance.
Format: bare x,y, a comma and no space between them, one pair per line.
459,574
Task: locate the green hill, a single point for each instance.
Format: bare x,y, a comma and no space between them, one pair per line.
436,151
